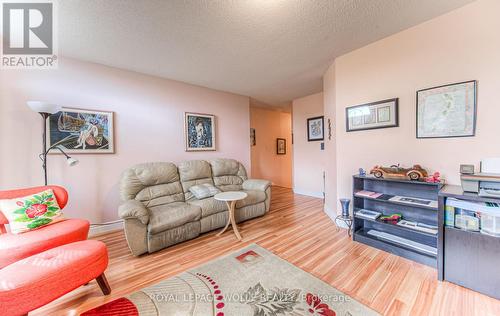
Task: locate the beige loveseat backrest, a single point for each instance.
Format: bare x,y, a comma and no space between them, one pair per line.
155,183
194,172
228,174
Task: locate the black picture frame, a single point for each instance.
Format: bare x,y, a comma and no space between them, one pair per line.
311,138
373,104
442,86
278,151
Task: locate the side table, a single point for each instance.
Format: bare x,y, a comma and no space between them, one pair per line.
231,197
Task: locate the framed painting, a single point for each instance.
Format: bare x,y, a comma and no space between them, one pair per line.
78,131
447,111
315,129
199,131
253,140
374,115
281,146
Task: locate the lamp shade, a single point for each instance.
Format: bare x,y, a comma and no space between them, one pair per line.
44,107
72,162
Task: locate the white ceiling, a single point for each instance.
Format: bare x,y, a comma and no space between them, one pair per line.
271,50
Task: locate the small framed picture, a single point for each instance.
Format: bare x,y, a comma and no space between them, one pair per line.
447,111
380,114
253,140
199,131
315,129
281,146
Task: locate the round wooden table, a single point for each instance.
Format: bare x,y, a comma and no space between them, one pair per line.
231,197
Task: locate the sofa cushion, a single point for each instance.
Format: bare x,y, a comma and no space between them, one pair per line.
204,190
153,184
145,175
228,174
254,197
209,206
164,217
41,278
192,173
16,247
161,194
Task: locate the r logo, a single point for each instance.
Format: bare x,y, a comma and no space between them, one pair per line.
27,29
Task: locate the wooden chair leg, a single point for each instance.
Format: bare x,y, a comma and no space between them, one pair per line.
103,284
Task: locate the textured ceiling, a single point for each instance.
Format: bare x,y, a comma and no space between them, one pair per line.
271,50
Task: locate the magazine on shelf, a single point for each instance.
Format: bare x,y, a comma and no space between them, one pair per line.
418,226
367,214
369,194
414,201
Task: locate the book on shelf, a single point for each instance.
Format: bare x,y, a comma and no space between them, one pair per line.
414,201
369,194
367,214
403,241
418,226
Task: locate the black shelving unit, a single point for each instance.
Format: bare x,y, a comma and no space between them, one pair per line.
418,213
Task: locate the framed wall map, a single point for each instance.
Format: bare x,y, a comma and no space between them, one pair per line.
380,114
447,111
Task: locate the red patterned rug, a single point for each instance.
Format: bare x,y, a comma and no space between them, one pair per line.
251,281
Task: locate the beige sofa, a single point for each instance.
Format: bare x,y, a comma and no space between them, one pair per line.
160,211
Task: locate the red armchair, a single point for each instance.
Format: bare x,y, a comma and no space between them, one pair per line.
16,247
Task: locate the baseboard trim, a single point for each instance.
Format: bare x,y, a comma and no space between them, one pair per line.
308,193
330,212
104,229
333,214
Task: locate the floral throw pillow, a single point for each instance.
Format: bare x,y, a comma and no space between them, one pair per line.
31,212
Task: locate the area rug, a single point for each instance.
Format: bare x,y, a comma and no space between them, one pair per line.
251,281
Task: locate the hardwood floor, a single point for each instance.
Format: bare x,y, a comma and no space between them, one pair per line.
297,230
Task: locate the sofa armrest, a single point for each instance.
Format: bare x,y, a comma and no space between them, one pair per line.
134,209
256,184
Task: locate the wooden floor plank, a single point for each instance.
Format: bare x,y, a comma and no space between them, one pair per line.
297,230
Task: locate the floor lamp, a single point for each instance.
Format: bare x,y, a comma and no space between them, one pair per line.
46,110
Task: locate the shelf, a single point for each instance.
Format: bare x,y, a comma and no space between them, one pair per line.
455,191
397,202
397,249
415,245
398,180
471,232
402,228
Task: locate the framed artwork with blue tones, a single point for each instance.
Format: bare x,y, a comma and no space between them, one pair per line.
199,131
78,131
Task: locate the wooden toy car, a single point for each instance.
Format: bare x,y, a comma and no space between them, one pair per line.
396,172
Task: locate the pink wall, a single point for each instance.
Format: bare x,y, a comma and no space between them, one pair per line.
148,127
270,124
308,158
461,45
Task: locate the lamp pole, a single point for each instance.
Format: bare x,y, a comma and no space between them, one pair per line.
44,141
46,110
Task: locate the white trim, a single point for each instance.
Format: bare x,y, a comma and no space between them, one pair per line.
308,193
99,230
